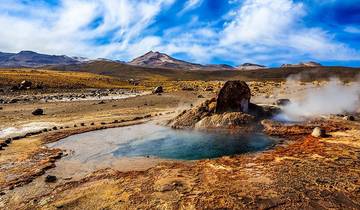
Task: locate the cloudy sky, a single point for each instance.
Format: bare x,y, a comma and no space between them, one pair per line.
270,32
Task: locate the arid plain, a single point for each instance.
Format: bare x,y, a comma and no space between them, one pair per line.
300,171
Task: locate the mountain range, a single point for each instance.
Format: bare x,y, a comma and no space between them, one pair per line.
33,60
29,59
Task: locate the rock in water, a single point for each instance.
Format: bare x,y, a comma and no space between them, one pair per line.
233,97
38,112
158,89
318,132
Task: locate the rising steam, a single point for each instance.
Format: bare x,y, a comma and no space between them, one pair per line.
335,97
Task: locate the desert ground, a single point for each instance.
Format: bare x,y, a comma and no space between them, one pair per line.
299,172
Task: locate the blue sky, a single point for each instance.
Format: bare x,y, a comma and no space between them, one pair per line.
269,32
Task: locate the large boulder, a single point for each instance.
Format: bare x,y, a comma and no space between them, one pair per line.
234,96
226,120
231,109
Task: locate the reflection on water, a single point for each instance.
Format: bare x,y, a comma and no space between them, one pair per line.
161,142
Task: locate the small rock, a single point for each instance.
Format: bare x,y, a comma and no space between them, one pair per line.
349,118
318,132
158,89
3,144
37,112
25,85
209,89
50,178
282,102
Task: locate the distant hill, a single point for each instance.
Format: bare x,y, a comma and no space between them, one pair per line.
158,66
250,66
33,59
161,60
302,64
124,72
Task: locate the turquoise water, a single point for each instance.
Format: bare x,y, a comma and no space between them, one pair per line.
149,140
168,143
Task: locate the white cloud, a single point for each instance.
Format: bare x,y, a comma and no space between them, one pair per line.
190,5
352,29
278,24
65,29
259,31
260,21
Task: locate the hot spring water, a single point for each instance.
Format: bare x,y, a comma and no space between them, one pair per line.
149,140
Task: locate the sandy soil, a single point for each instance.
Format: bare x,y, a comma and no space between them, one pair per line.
302,173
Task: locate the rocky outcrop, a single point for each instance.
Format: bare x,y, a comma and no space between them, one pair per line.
234,96
231,109
188,118
226,120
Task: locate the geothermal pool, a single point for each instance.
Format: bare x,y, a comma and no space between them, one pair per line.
139,147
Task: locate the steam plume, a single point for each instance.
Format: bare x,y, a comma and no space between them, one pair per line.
335,97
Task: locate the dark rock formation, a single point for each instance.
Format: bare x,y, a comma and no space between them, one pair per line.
233,97
38,112
231,109
50,179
